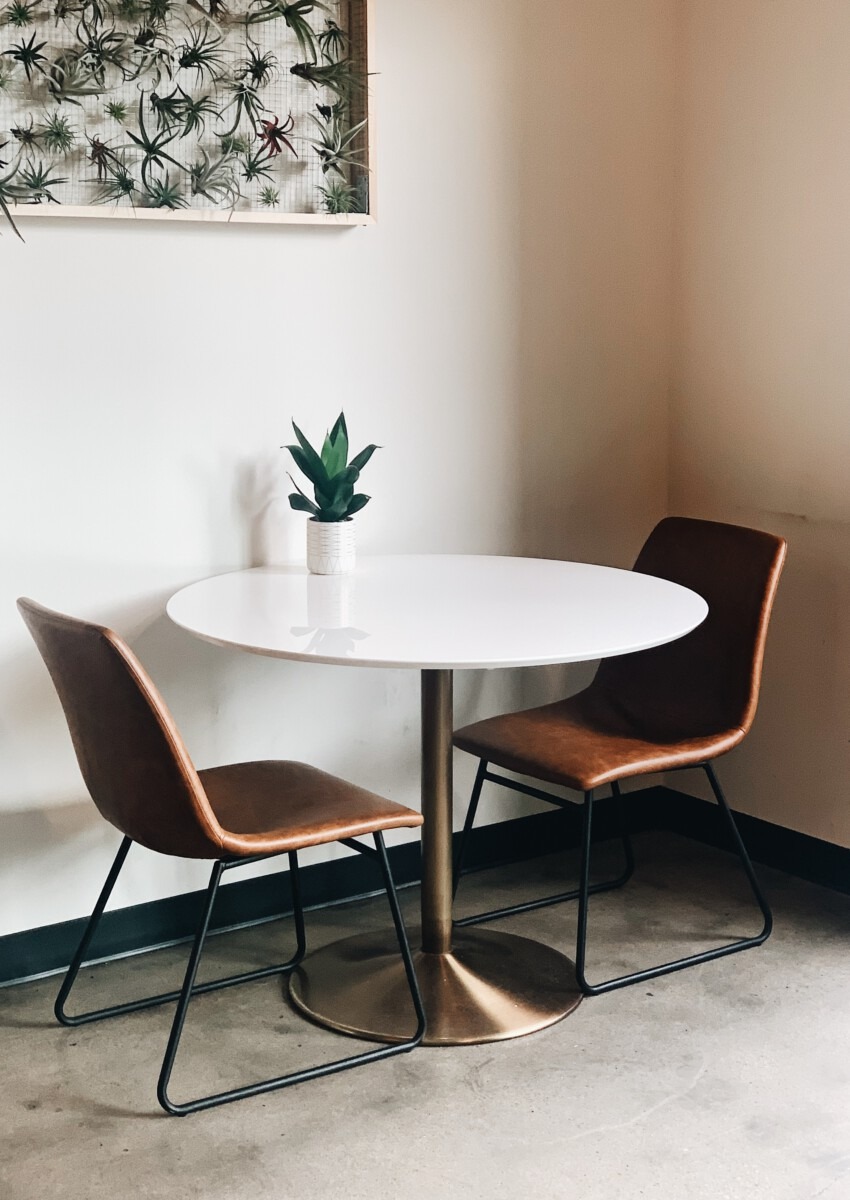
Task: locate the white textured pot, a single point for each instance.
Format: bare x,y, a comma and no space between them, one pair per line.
330,547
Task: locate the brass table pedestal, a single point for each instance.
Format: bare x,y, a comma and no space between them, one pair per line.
490,986
478,985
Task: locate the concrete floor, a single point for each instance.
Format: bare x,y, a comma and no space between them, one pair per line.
729,1080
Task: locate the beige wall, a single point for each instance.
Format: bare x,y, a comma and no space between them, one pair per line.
503,332
596,208
760,429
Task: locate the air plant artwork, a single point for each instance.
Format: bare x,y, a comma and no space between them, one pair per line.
251,109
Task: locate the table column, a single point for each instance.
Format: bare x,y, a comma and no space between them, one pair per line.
478,985
437,811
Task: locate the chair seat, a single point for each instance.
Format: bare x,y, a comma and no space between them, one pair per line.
276,806
582,743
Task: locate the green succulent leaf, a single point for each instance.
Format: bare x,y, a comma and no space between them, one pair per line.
358,501
335,451
315,469
348,477
306,465
301,501
327,501
334,456
302,504
339,427
338,509
359,461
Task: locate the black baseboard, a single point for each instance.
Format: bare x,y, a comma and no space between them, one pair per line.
158,922
141,926
771,845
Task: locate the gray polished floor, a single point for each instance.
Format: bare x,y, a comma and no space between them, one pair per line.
729,1080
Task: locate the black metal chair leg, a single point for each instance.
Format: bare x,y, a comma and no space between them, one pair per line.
186,991
281,1081
85,941
404,945
214,985
584,889
495,914
691,959
746,862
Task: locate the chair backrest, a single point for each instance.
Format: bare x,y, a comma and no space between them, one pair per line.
131,755
708,681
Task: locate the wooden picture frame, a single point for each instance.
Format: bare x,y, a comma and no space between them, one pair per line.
164,130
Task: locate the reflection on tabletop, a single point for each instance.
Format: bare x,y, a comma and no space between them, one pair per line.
336,642
330,600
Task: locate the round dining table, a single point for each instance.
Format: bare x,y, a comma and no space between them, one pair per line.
437,614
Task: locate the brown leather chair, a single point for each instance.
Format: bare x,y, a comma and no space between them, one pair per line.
142,780
676,706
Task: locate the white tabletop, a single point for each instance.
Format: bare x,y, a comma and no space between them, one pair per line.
439,612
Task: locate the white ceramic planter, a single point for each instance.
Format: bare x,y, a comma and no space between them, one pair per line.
330,547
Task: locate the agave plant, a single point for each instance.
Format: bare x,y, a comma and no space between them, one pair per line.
331,474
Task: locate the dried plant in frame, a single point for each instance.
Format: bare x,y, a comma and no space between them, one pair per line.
228,110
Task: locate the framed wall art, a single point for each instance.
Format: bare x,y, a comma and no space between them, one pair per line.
213,110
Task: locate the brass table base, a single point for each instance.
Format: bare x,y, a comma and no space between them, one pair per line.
491,986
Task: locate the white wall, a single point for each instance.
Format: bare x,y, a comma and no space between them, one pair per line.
503,332
761,414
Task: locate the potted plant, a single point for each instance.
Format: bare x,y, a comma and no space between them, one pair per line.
330,530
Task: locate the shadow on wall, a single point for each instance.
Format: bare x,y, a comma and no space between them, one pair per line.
54,825
274,534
